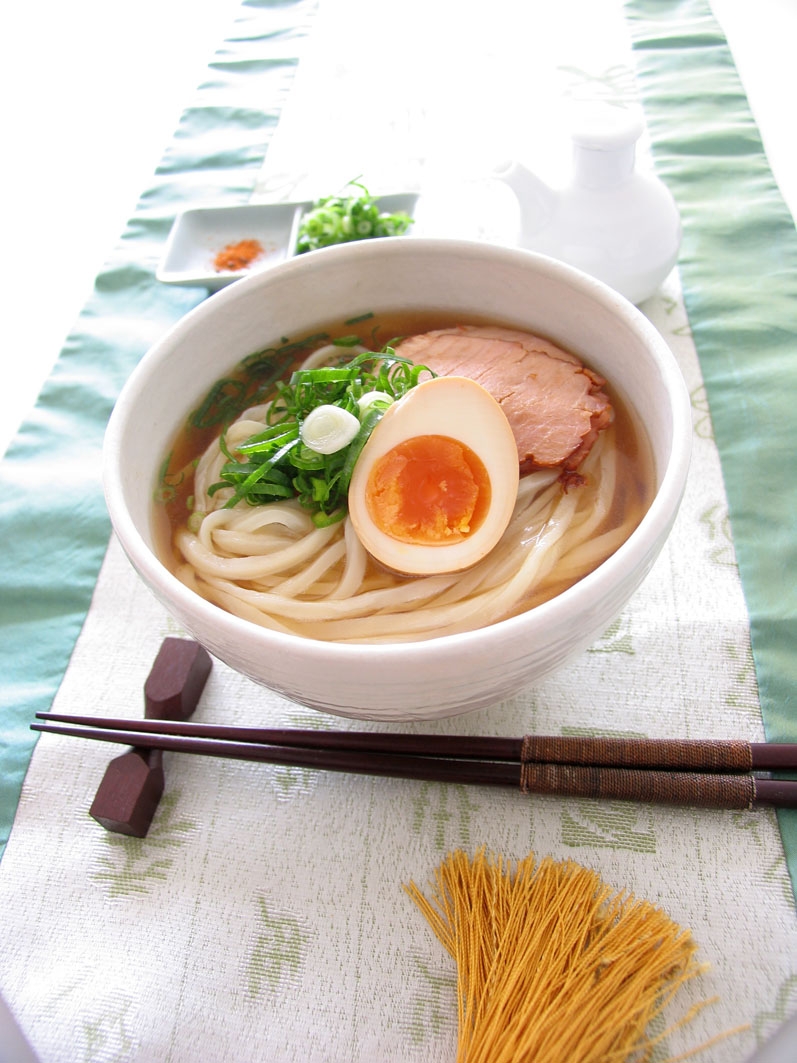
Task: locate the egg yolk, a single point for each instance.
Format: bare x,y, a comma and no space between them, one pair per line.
428,490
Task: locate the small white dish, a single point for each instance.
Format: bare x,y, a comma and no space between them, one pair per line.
200,234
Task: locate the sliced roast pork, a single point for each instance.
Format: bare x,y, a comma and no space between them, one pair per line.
555,405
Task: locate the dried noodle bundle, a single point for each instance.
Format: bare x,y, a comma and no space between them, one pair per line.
551,964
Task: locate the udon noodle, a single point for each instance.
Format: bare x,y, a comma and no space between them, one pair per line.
270,564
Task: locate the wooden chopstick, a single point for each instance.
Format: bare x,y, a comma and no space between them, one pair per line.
685,754
398,765
477,760
479,747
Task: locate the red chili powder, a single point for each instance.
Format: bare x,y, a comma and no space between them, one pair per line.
238,256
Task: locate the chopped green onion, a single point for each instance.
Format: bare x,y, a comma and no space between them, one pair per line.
341,219
329,428
228,398
371,399
315,428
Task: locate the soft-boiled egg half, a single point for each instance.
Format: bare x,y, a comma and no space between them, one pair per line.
435,485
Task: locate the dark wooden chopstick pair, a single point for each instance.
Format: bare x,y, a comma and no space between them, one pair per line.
704,773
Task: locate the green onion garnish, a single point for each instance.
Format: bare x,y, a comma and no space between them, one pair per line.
229,397
341,219
282,462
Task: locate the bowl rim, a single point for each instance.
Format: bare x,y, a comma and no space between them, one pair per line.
635,551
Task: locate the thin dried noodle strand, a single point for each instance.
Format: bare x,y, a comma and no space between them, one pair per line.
552,965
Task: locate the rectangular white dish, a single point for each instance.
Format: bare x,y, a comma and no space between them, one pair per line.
198,235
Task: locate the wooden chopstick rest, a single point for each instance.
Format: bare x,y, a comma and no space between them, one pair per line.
132,786
130,791
175,684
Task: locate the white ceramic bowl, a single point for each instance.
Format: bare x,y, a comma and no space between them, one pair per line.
453,674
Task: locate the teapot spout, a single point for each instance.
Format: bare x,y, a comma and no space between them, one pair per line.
536,200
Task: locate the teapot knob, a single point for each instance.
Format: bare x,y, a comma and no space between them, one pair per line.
604,144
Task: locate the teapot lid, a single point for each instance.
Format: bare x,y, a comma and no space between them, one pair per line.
604,139
604,126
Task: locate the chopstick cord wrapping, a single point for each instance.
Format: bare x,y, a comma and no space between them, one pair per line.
628,784
678,754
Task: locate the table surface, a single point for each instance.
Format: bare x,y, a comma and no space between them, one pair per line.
232,928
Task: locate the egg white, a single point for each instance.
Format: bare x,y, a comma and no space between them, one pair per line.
462,410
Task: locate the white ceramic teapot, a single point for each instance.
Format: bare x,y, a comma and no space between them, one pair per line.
610,220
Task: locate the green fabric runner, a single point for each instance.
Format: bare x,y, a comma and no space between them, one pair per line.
738,267
55,528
